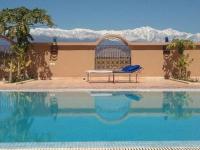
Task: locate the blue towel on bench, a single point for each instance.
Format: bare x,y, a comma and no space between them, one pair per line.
131,68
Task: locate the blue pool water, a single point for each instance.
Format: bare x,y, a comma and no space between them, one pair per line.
99,116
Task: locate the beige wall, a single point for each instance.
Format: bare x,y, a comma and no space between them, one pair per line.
195,66
150,60
74,59
72,63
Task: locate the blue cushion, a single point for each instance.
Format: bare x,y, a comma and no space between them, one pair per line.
131,68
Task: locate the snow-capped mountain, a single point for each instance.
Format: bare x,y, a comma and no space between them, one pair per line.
144,34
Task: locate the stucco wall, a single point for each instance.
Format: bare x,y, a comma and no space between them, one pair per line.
74,60
195,65
72,63
150,60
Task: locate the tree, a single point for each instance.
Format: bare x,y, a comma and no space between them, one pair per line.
179,60
16,24
180,45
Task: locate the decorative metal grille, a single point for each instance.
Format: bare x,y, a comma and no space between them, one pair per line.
112,56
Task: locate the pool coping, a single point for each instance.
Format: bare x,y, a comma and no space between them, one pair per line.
83,145
109,90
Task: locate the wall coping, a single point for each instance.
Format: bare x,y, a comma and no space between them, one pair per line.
96,43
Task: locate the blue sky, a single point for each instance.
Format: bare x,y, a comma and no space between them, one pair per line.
182,15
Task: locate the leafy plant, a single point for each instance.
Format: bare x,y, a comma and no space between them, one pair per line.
10,68
15,24
181,45
178,59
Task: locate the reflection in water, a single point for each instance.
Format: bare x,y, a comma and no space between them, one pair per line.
19,118
41,116
54,107
176,104
114,107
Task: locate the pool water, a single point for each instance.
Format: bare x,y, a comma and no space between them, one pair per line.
99,116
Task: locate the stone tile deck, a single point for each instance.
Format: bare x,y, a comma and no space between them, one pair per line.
99,83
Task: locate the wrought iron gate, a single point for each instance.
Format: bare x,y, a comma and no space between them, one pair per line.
112,53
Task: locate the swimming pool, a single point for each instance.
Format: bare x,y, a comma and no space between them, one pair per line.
99,116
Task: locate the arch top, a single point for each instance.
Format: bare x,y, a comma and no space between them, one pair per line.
111,52
112,36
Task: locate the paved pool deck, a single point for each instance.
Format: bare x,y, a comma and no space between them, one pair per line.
99,83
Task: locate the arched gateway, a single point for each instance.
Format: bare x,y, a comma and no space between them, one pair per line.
112,52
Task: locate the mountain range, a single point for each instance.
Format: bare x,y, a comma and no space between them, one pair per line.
142,34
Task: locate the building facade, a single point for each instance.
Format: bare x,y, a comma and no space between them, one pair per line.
73,59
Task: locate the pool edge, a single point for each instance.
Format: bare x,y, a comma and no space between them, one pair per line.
88,90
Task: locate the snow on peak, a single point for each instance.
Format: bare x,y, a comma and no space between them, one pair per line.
143,34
